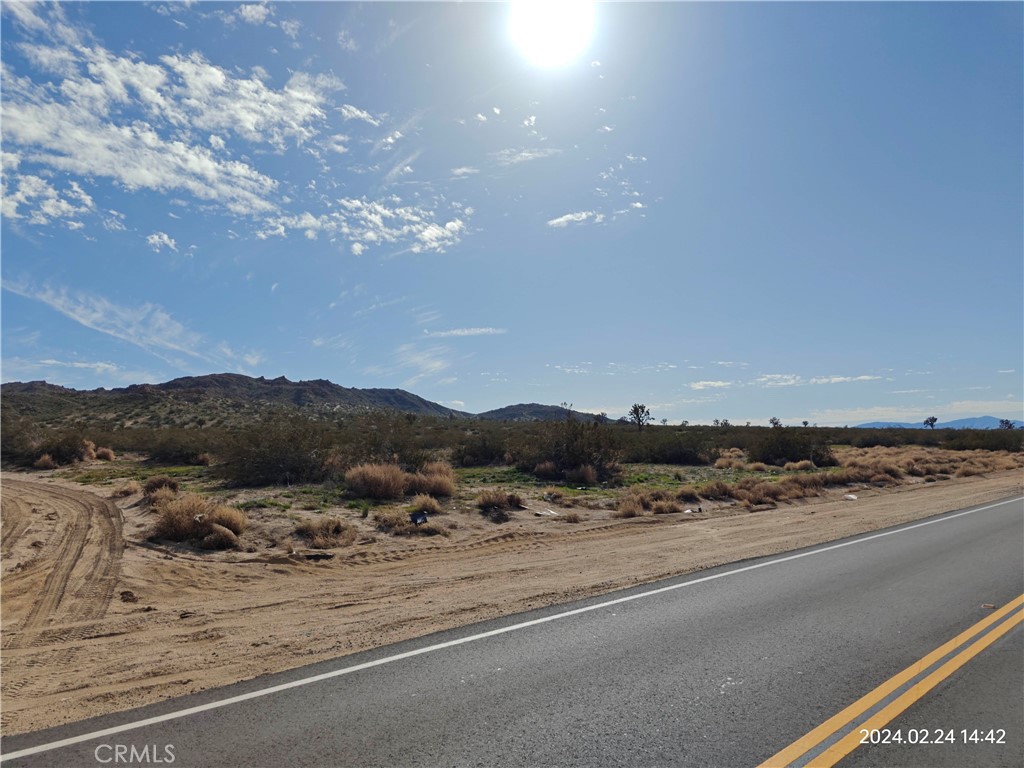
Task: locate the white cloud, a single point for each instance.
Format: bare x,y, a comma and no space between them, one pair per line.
160,240
842,379
576,218
41,201
480,118
349,112
346,42
460,332
516,156
710,384
291,28
373,223
464,170
779,380
253,13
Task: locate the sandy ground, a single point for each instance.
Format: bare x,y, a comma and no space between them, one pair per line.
95,619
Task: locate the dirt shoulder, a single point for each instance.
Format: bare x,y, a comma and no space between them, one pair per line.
97,620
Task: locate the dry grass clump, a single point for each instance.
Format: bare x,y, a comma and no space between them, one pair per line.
377,481
88,450
390,481
729,462
159,481
547,470
496,504
716,490
45,462
688,494
666,507
799,466
757,466
397,523
127,488
441,485
573,517
628,507
105,454
194,517
326,533
159,497
425,503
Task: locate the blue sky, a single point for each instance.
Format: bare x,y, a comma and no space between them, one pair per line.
809,210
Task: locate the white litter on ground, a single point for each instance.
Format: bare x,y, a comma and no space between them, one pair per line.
850,497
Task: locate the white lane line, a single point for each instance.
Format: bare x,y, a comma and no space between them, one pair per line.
469,639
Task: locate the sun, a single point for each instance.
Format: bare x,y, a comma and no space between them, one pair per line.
551,33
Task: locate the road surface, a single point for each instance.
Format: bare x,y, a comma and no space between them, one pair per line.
721,668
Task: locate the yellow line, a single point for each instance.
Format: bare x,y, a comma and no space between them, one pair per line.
851,741
866,702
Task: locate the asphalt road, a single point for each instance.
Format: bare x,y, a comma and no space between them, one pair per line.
720,668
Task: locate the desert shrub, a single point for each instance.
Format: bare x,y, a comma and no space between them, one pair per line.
277,450
688,493
219,537
128,488
377,481
756,466
799,466
88,451
569,444
176,445
231,518
159,481
159,497
968,471
441,484
552,494
573,517
585,475
425,503
715,490
45,462
496,504
628,507
666,507
727,462
547,470
480,450
62,448
194,517
105,454
881,479
326,532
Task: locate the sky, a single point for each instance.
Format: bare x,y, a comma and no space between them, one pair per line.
811,211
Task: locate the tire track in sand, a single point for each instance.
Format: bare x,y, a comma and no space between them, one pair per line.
83,564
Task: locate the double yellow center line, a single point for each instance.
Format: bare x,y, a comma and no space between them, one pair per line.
841,734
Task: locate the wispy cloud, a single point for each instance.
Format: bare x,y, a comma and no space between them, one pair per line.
842,379
516,156
458,332
147,326
349,112
576,218
710,384
779,380
346,42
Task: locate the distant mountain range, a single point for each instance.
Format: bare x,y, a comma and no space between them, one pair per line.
979,422
226,397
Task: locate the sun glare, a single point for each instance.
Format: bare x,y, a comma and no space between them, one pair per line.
551,33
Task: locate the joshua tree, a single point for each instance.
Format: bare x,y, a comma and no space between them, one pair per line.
1005,424
640,415
775,421
931,421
